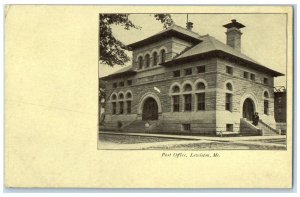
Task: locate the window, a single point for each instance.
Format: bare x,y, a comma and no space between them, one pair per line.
128,95
266,81
252,77
154,58
228,102
266,107
114,97
121,107
201,69
176,103
229,86
147,57
140,62
114,108
186,127
187,102
200,86
121,96
201,101
188,71
129,82
246,75
187,88
121,84
175,89
128,107
266,103
229,70
115,85
176,73
266,94
229,127
163,56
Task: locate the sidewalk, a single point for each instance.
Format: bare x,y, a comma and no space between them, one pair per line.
210,138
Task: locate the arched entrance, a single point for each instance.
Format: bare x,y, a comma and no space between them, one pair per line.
150,109
248,109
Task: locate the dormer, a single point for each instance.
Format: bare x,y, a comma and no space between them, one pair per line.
162,47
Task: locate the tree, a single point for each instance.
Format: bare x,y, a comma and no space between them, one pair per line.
113,51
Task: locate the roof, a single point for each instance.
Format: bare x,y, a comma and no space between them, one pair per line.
210,44
172,31
128,70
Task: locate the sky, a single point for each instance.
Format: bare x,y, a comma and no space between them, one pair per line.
263,38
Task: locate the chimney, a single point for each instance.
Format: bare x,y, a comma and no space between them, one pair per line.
189,26
234,34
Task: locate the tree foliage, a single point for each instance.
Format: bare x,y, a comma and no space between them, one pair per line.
113,51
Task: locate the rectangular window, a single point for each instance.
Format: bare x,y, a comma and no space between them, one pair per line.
201,101
176,73
115,85
176,103
188,71
229,127
246,75
187,102
229,70
121,84
252,76
128,107
266,107
121,107
114,108
186,127
266,81
228,102
129,82
201,69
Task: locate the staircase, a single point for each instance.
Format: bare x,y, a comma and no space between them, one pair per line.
247,128
267,130
138,126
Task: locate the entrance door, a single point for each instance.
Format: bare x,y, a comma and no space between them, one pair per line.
150,110
248,109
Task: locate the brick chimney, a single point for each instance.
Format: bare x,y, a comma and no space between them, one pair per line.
234,34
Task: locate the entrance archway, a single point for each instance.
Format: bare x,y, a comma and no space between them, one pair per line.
150,109
248,109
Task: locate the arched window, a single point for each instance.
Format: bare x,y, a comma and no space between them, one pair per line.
200,96
187,97
229,86
147,58
200,86
228,97
114,97
266,103
128,95
163,55
121,96
128,102
266,94
121,103
140,62
154,58
114,104
187,88
175,89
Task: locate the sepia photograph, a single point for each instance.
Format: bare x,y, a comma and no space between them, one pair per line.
149,97
192,81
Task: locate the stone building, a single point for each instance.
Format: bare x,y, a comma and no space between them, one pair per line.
182,82
280,110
